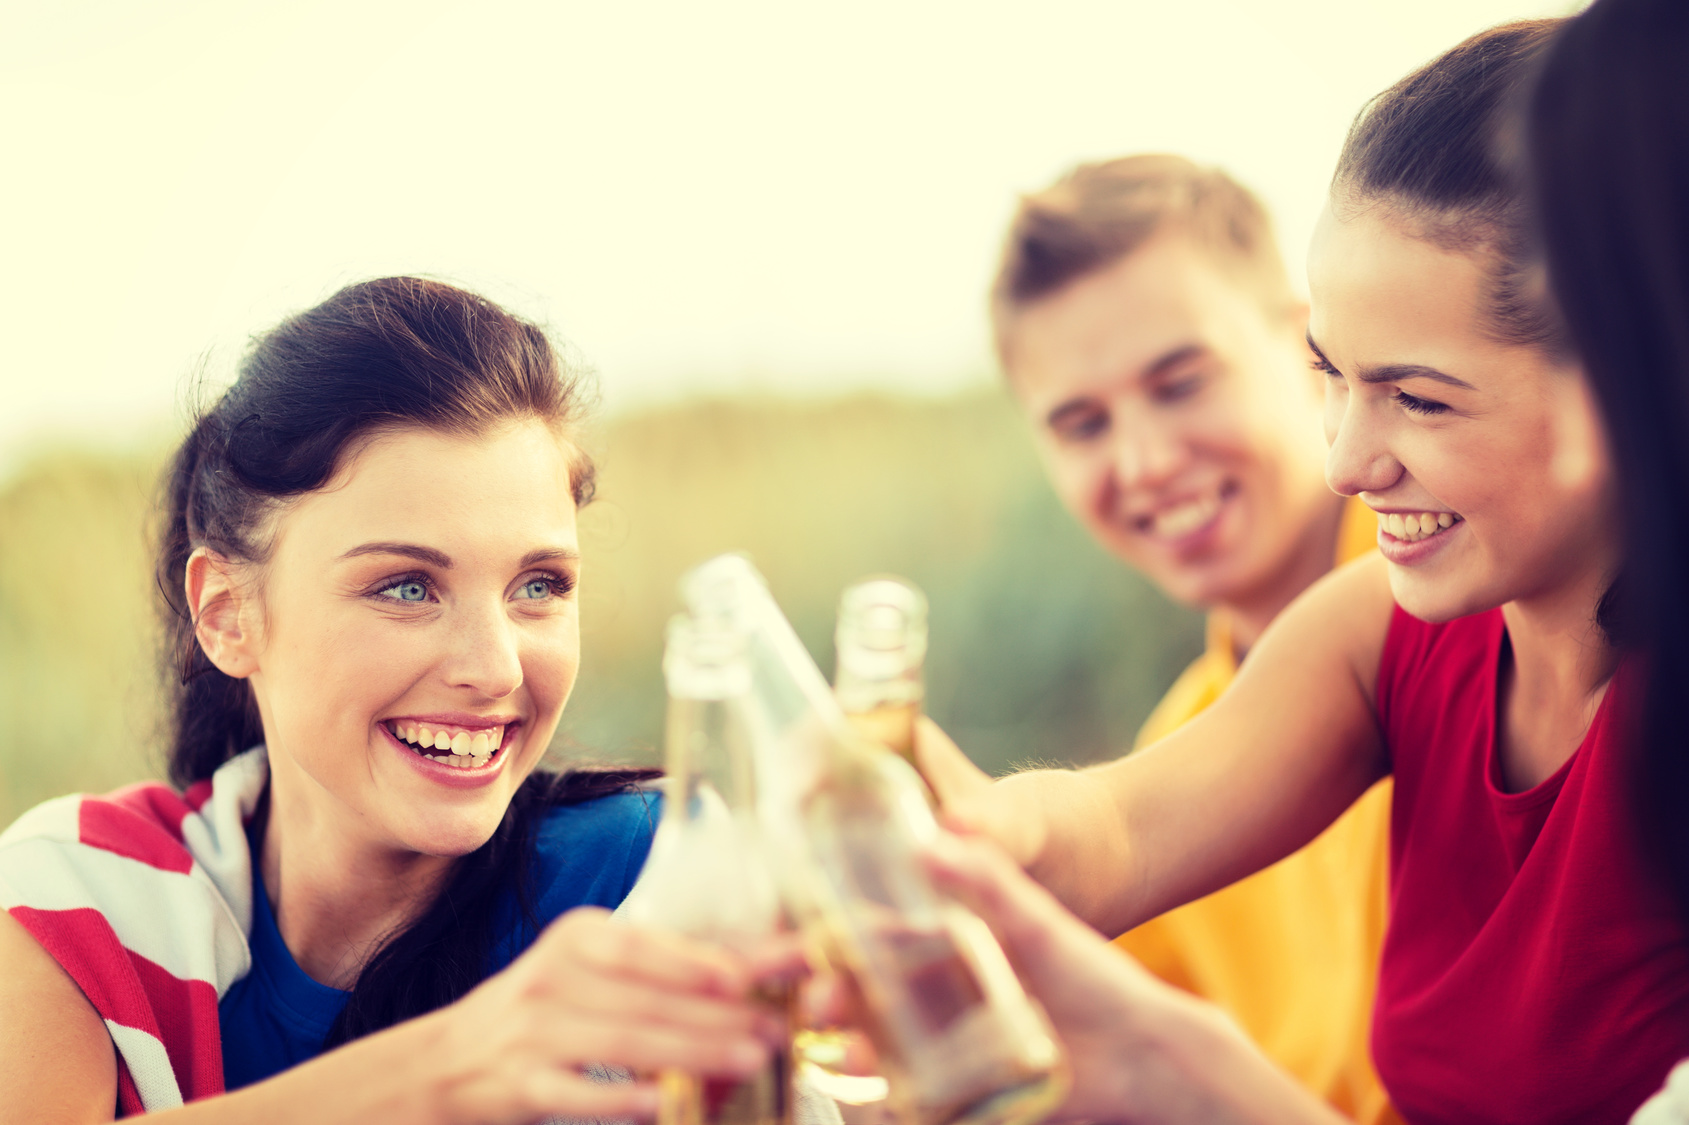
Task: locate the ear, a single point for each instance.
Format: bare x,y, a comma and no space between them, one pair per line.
223,613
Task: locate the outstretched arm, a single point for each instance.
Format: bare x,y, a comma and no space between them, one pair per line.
1291,744
589,990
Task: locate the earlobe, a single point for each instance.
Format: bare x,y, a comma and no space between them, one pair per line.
218,605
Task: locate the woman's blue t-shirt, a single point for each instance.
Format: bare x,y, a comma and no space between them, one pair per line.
276,1017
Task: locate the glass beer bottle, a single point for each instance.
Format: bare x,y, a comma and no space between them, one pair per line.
882,646
708,874
958,1039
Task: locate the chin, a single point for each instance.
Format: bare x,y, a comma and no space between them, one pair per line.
451,833
1433,602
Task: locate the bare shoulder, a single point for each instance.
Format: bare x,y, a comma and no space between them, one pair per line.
1343,620
57,1062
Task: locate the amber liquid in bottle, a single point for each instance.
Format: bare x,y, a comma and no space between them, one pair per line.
765,1098
958,1040
955,1036
882,650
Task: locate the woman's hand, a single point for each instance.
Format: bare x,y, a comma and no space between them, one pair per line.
593,990
1141,1050
970,801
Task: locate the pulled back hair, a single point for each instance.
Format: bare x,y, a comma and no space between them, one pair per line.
394,353
1429,149
1098,214
1607,146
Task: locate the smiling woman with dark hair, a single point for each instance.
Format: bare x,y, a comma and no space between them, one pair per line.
1535,967
369,564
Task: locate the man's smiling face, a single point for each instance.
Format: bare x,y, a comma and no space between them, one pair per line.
1178,419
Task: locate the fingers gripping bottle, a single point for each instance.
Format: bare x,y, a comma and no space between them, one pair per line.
882,645
958,1039
708,875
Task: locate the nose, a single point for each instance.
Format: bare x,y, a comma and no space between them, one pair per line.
1359,459
1147,453
485,656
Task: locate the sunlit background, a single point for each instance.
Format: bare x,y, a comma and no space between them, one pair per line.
768,227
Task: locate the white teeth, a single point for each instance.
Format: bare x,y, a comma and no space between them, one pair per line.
1414,527
465,749
1186,518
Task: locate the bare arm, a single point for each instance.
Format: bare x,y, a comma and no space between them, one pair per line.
1290,745
57,1063
590,990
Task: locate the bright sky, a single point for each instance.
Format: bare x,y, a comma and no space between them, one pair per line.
743,193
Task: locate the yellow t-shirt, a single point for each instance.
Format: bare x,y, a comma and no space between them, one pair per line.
1292,951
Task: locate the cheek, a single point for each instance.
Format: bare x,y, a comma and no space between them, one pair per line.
357,668
551,659
1080,478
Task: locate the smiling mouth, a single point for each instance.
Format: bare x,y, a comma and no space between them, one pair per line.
1178,520
451,746
1413,528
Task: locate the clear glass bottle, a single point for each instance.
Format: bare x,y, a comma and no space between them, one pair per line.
958,1039
882,648
708,874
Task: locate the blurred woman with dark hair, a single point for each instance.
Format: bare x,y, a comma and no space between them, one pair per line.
369,564
1536,967
1608,155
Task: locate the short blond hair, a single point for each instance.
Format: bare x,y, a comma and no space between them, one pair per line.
1098,214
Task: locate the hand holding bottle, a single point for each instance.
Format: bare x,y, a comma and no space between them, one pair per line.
1140,1050
590,991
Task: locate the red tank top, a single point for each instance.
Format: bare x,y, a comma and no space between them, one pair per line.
1532,971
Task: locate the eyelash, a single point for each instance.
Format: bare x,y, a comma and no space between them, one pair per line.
562,585
1411,403
1415,405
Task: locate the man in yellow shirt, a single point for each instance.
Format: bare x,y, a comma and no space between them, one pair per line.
1147,327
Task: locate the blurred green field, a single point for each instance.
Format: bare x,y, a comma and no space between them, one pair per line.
1043,648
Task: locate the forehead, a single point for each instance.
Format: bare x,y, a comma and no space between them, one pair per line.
1380,294
510,485
1114,324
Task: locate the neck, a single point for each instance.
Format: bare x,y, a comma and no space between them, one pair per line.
1311,557
336,894
1552,687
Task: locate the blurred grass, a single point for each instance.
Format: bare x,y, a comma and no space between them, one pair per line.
1043,648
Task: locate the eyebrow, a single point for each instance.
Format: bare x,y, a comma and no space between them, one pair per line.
1160,366
444,561
1396,372
407,550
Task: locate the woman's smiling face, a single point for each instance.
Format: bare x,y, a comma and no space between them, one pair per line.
427,591
1450,434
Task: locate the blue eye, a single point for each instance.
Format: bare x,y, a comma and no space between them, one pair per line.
538,588
407,591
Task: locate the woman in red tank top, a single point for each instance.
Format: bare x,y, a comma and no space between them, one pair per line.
1536,967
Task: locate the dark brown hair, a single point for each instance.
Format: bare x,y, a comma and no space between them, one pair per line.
1430,150
1608,150
1098,214
388,354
